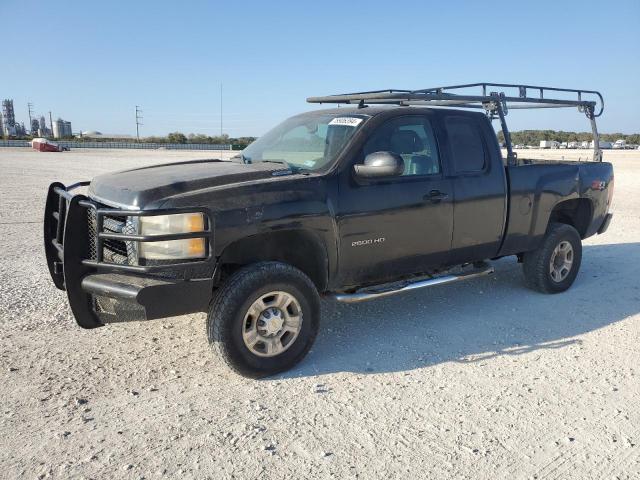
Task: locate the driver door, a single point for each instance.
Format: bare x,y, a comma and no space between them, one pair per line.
397,226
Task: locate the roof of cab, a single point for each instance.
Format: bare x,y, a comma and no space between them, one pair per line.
374,110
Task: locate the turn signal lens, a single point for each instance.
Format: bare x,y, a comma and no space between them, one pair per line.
196,247
195,222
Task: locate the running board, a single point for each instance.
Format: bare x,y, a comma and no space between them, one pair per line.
365,295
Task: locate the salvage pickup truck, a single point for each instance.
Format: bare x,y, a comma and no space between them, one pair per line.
354,203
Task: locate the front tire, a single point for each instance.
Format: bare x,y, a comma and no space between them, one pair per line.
264,319
553,267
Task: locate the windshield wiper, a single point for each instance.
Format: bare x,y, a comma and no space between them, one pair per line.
241,157
283,162
291,168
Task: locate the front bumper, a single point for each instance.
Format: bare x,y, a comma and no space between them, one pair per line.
101,291
121,298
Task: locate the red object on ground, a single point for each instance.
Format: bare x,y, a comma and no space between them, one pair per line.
44,145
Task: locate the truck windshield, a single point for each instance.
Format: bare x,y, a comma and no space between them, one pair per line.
304,142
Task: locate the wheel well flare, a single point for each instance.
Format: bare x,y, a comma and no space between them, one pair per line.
299,249
576,212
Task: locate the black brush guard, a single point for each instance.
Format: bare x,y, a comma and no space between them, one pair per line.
87,277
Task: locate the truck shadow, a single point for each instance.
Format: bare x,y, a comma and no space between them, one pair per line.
476,320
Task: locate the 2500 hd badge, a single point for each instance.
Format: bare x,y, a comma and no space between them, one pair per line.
368,241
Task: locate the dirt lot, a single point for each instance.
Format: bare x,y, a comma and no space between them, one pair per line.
483,379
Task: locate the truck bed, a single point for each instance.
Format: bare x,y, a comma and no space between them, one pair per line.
537,187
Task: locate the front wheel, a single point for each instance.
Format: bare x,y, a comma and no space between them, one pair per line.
264,319
553,267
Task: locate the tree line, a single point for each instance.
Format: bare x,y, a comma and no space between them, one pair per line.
178,137
533,137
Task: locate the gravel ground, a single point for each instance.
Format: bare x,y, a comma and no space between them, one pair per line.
482,379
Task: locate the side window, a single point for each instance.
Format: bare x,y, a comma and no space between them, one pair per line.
410,137
466,144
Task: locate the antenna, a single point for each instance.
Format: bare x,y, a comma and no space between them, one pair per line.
138,121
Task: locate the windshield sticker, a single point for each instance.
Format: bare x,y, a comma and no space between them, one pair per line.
346,121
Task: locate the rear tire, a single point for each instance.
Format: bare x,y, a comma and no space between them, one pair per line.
264,319
553,267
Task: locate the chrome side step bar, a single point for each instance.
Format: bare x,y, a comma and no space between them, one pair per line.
369,294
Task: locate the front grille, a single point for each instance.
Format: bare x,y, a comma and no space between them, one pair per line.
116,248
92,237
114,251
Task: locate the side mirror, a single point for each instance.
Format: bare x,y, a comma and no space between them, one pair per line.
380,164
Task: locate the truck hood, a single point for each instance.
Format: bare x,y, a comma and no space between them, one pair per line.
143,187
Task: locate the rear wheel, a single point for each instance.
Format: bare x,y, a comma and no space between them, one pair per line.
553,267
264,319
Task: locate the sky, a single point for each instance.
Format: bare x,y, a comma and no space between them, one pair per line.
92,62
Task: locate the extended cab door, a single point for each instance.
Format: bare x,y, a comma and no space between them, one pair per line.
479,186
395,226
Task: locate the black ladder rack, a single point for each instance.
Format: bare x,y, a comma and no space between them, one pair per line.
496,104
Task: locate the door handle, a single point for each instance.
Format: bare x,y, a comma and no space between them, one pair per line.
436,196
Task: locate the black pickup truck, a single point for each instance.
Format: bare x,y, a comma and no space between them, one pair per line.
354,203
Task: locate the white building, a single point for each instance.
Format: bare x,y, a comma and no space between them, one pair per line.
603,145
61,129
115,136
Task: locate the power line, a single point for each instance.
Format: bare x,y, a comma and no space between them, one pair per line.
138,121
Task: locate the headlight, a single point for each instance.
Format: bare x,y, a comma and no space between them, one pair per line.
172,249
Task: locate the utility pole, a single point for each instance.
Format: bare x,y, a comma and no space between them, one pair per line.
221,110
138,121
51,123
30,106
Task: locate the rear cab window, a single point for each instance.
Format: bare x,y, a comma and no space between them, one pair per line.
467,147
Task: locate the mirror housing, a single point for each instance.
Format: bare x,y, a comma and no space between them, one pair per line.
379,165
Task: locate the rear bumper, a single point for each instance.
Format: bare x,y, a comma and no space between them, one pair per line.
102,292
605,224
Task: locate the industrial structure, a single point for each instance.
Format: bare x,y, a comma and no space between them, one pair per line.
61,129
35,126
9,127
43,131
8,119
